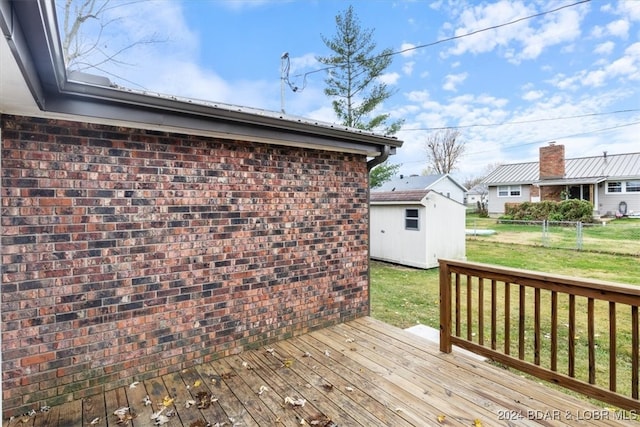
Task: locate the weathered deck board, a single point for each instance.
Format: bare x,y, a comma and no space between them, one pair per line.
361,373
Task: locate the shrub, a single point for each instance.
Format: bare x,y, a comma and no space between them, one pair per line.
566,210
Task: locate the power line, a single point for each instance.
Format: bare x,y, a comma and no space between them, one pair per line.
522,144
518,122
422,46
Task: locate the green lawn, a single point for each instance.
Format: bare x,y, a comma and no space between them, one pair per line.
404,296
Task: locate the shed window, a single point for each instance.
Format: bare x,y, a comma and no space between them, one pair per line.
411,219
633,186
614,187
509,191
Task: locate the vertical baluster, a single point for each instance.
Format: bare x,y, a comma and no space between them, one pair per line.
592,340
494,303
635,344
612,347
572,335
554,331
507,318
480,311
521,322
536,327
469,308
457,304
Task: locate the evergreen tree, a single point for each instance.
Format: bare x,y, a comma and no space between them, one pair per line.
353,77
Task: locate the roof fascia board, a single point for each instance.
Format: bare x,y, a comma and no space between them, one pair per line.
12,29
150,118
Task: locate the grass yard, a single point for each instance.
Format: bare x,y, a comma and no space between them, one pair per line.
404,296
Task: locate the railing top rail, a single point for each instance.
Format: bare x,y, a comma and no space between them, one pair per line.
528,277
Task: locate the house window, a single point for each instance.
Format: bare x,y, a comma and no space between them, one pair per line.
411,219
509,191
614,187
632,186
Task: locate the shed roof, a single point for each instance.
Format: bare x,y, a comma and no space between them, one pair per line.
399,196
578,170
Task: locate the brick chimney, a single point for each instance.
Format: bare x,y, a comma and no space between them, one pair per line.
552,161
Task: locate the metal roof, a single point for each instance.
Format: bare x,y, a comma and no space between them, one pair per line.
415,182
399,196
578,170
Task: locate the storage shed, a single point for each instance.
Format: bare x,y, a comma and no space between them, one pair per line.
416,227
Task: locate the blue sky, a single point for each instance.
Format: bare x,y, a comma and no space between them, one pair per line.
569,76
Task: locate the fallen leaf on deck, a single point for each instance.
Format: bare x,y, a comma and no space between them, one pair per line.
197,383
327,353
246,365
161,420
204,399
287,363
350,340
327,386
189,403
156,414
167,401
93,421
349,389
270,350
146,400
45,409
477,423
134,384
199,423
306,354
262,390
294,402
121,411
441,418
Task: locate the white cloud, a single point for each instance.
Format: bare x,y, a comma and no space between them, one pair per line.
407,67
604,48
407,49
619,28
452,81
390,78
533,95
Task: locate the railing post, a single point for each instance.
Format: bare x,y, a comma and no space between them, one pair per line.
445,307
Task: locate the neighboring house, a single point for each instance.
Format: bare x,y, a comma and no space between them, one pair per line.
416,227
611,182
142,234
442,183
477,194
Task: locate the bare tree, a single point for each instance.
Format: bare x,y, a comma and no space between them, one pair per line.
81,51
444,149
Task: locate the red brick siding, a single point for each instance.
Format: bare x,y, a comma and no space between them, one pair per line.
128,254
552,162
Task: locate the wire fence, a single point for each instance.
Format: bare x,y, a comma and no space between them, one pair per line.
567,235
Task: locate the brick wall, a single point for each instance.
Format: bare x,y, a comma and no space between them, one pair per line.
127,254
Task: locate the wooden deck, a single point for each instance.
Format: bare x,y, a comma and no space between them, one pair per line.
362,373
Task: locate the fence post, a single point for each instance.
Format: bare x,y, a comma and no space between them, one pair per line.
445,307
579,235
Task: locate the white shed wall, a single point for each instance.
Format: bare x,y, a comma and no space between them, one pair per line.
441,233
391,242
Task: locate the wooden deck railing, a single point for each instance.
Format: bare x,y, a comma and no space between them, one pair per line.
580,334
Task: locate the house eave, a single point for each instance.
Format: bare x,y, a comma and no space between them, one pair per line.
31,32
